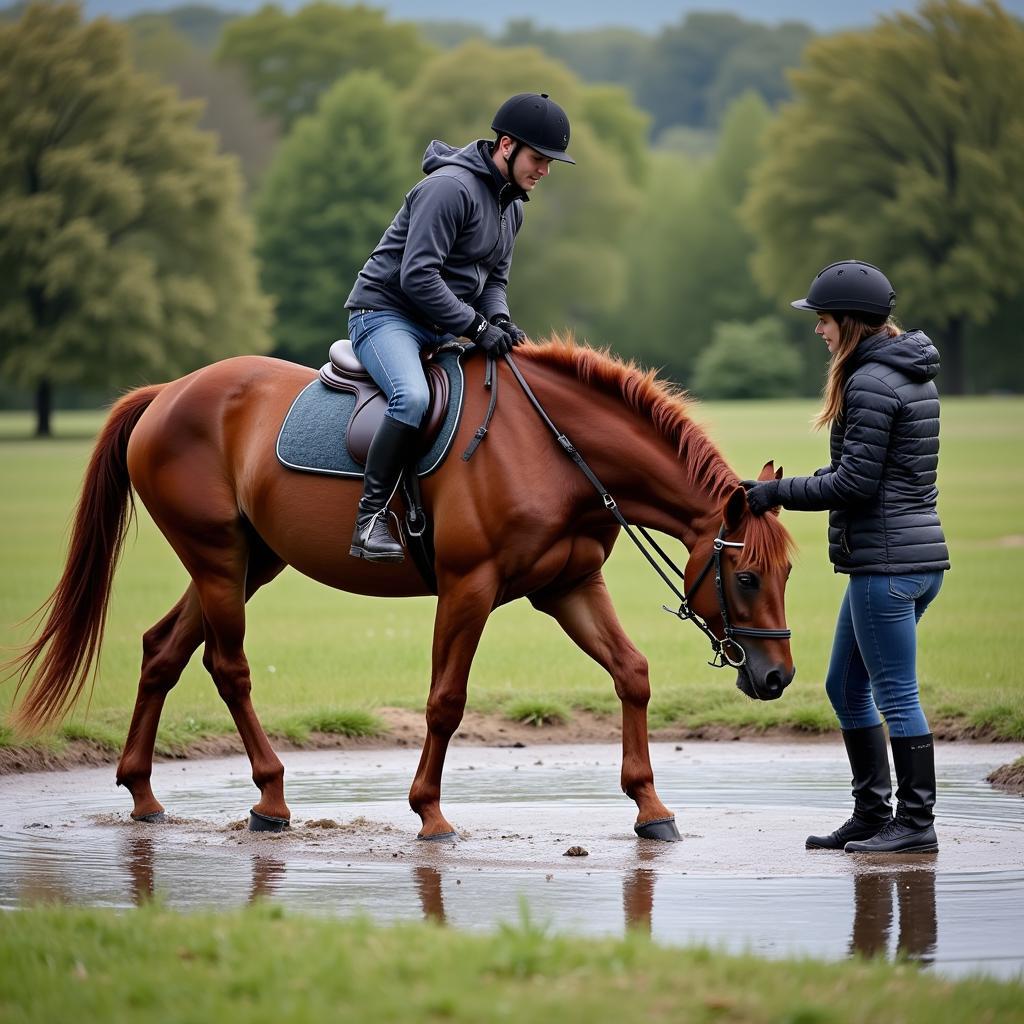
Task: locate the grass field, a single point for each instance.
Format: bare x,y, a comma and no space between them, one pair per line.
322,656
261,965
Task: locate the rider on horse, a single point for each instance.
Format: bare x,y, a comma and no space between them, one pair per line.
441,271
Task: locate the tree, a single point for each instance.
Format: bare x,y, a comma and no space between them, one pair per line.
748,361
330,192
905,148
165,51
124,256
698,66
290,60
569,268
688,249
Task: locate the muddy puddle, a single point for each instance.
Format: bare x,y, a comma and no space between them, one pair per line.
739,880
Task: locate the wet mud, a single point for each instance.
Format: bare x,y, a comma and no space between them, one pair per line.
547,828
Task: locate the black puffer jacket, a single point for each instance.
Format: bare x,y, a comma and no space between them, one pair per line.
880,486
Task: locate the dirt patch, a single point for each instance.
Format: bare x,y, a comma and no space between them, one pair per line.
1009,777
406,728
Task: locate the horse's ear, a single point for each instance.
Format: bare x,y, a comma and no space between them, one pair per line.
778,473
735,506
768,472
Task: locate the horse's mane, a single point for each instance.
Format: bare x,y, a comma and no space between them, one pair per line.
768,544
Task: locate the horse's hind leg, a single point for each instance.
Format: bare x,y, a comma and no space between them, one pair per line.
219,572
166,649
588,617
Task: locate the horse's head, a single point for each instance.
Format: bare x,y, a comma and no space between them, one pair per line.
736,581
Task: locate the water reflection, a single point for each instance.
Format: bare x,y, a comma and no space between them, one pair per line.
638,898
138,859
878,897
267,877
428,888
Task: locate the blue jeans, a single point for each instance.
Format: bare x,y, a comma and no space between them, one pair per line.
873,667
388,344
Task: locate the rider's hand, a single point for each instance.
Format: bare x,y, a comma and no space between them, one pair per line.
762,495
494,340
517,334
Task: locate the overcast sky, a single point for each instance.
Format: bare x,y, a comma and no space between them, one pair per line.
647,15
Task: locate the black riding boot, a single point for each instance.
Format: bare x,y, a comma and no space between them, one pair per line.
912,829
389,451
872,789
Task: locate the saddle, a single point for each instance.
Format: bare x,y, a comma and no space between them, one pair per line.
330,425
345,373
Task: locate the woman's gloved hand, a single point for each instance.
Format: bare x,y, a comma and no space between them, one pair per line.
762,495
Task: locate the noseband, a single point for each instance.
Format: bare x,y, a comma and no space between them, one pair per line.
719,646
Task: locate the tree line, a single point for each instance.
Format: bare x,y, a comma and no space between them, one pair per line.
133,248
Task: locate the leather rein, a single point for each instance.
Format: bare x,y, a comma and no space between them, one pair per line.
720,646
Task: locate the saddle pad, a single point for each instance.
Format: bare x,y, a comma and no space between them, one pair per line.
313,435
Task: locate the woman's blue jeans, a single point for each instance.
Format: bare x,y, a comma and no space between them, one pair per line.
388,344
873,667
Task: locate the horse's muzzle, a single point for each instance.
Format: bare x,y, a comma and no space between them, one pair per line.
768,687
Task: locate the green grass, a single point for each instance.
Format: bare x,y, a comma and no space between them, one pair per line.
263,965
538,712
378,651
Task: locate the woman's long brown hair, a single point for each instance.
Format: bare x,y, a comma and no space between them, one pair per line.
852,331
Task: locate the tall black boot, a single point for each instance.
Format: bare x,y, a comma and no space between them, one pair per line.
389,450
872,789
912,829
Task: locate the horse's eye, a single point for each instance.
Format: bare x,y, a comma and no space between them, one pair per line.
747,580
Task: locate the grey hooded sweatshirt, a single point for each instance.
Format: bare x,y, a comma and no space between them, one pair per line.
880,485
447,253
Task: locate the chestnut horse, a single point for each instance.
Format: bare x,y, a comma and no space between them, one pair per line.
518,520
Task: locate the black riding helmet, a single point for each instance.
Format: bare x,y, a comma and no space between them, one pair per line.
849,286
537,121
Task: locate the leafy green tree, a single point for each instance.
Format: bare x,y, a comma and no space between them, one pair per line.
161,49
290,60
200,25
700,65
688,250
748,361
615,55
124,255
759,64
569,268
904,147
332,189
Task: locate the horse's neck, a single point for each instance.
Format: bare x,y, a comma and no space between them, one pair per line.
640,468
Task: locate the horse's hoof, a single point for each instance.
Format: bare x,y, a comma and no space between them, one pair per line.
153,818
661,828
265,823
441,837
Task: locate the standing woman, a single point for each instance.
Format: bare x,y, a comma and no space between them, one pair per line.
884,532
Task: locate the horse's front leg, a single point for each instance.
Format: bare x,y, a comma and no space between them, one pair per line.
588,617
462,609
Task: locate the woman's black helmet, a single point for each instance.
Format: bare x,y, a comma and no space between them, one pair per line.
537,121
849,286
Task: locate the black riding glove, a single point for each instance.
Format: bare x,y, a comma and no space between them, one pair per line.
494,340
517,334
762,495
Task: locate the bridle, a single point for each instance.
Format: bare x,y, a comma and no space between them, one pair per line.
730,632
720,646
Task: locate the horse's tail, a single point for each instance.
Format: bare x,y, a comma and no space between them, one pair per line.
66,647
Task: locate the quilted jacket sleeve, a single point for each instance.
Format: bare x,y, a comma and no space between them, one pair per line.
870,407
